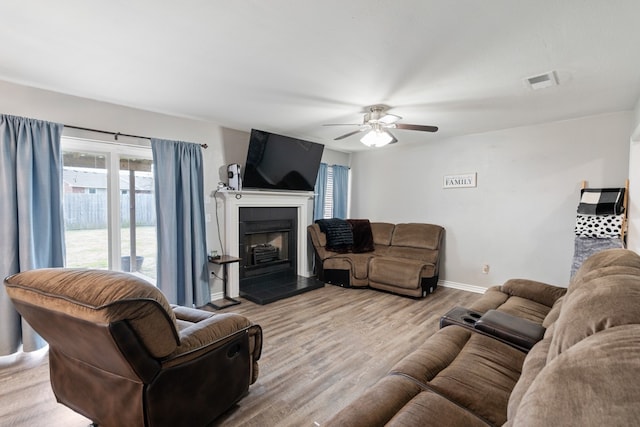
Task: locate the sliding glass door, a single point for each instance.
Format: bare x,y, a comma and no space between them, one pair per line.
109,206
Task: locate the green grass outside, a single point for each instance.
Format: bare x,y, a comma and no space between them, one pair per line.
89,248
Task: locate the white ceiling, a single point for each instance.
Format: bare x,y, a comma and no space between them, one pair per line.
288,66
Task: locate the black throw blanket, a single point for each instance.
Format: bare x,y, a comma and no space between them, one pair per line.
362,235
338,232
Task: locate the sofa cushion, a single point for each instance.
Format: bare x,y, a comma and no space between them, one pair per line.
534,362
397,400
604,259
382,232
421,254
471,369
554,313
400,272
533,290
592,383
525,308
378,404
427,236
601,303
520,297
492,298
428,406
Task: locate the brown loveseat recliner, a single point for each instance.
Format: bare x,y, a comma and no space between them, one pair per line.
585,371
405,259
120,355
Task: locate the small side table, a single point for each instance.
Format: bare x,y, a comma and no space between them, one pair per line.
226,300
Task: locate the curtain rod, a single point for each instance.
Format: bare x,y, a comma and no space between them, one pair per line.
117,134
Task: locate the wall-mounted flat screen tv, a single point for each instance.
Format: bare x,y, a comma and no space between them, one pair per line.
277,162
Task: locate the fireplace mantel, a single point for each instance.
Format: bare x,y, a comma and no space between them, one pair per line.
234,200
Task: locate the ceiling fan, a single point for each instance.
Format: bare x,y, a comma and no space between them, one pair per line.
378,122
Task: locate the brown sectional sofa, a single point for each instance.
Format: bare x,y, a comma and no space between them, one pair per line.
585,371
405,259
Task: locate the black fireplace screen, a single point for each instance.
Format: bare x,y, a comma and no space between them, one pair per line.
267,241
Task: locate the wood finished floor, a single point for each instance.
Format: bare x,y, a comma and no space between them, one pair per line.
321,350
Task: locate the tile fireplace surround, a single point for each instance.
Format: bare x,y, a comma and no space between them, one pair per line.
234,200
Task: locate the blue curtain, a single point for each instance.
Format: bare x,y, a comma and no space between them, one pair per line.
340,191
320,191
182,249
31,217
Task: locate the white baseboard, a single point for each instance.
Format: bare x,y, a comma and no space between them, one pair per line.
462,286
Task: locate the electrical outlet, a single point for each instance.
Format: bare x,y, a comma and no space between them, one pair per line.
485,268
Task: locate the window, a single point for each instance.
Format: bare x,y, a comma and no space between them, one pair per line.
328,195
336,192
109,206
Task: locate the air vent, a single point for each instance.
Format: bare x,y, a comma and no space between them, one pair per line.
543,80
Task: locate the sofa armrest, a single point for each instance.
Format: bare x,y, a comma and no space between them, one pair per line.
539,292
189,314
211,330
211,333
520,332
492,298
255,349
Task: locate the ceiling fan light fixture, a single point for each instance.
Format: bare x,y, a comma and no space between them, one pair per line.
388,119
376,138
377,124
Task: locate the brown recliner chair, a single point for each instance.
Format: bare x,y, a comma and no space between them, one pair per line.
122,356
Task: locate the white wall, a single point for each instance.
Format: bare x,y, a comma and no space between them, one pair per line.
633,215
332,157
520,217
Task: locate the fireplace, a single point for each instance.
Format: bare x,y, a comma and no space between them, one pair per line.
267,242
269,279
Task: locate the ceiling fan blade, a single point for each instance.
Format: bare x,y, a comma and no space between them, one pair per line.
346,135
423,128
394,140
